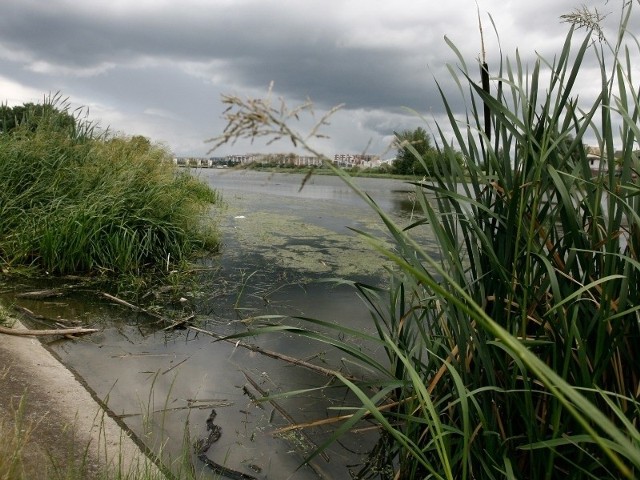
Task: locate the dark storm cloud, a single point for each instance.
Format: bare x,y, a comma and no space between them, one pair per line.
175,58
251,47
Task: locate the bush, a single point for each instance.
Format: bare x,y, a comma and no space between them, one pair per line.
73,200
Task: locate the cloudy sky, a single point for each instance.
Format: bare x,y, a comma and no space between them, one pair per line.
158,67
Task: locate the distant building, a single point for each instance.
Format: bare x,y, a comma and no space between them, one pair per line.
281,159
356,160
598,161
241,159
201,162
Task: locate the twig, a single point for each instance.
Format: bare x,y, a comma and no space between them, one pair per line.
330,420
388,406
176,365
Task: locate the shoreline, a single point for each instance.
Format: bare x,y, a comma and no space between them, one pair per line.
68,422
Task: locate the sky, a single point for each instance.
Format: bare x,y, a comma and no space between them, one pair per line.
158,68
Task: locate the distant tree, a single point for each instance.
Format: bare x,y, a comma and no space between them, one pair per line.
30,115
415,151
9,117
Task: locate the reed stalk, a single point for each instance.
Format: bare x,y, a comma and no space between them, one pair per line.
511,350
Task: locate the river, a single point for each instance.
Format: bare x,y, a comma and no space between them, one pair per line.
281,243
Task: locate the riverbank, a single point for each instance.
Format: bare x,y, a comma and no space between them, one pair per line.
70,434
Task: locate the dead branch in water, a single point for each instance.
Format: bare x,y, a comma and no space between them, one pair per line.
41,318
59,331
135,308
284,413
184,323
60,323
279,356
40,294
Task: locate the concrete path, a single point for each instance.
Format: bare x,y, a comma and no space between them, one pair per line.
70,425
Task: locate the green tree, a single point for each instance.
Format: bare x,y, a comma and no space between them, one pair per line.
415,152
30,115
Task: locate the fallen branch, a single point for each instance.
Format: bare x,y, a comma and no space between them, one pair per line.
269,353
190,406
135,308
184,323
25,311
284,414
340,418
34,316
40,294
42,319
59,331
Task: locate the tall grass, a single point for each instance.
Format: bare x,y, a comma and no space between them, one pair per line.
14,438
511,352
76,200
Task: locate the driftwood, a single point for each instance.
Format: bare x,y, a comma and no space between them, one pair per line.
59,331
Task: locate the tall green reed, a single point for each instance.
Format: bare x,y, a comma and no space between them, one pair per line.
75,199
510,352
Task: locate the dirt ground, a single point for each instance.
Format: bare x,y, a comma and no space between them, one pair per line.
70,427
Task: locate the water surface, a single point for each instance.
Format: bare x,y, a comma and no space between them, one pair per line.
279,241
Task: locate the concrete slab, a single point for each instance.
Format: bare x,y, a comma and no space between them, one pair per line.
70,425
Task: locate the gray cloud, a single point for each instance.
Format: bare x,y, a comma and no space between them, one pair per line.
158,67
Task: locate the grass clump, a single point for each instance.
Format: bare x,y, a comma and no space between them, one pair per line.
510,352
75,200
14,437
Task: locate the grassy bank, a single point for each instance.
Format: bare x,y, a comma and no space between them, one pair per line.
75,200
511,350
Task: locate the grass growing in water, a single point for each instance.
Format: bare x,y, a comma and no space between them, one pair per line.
75,200
511,352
